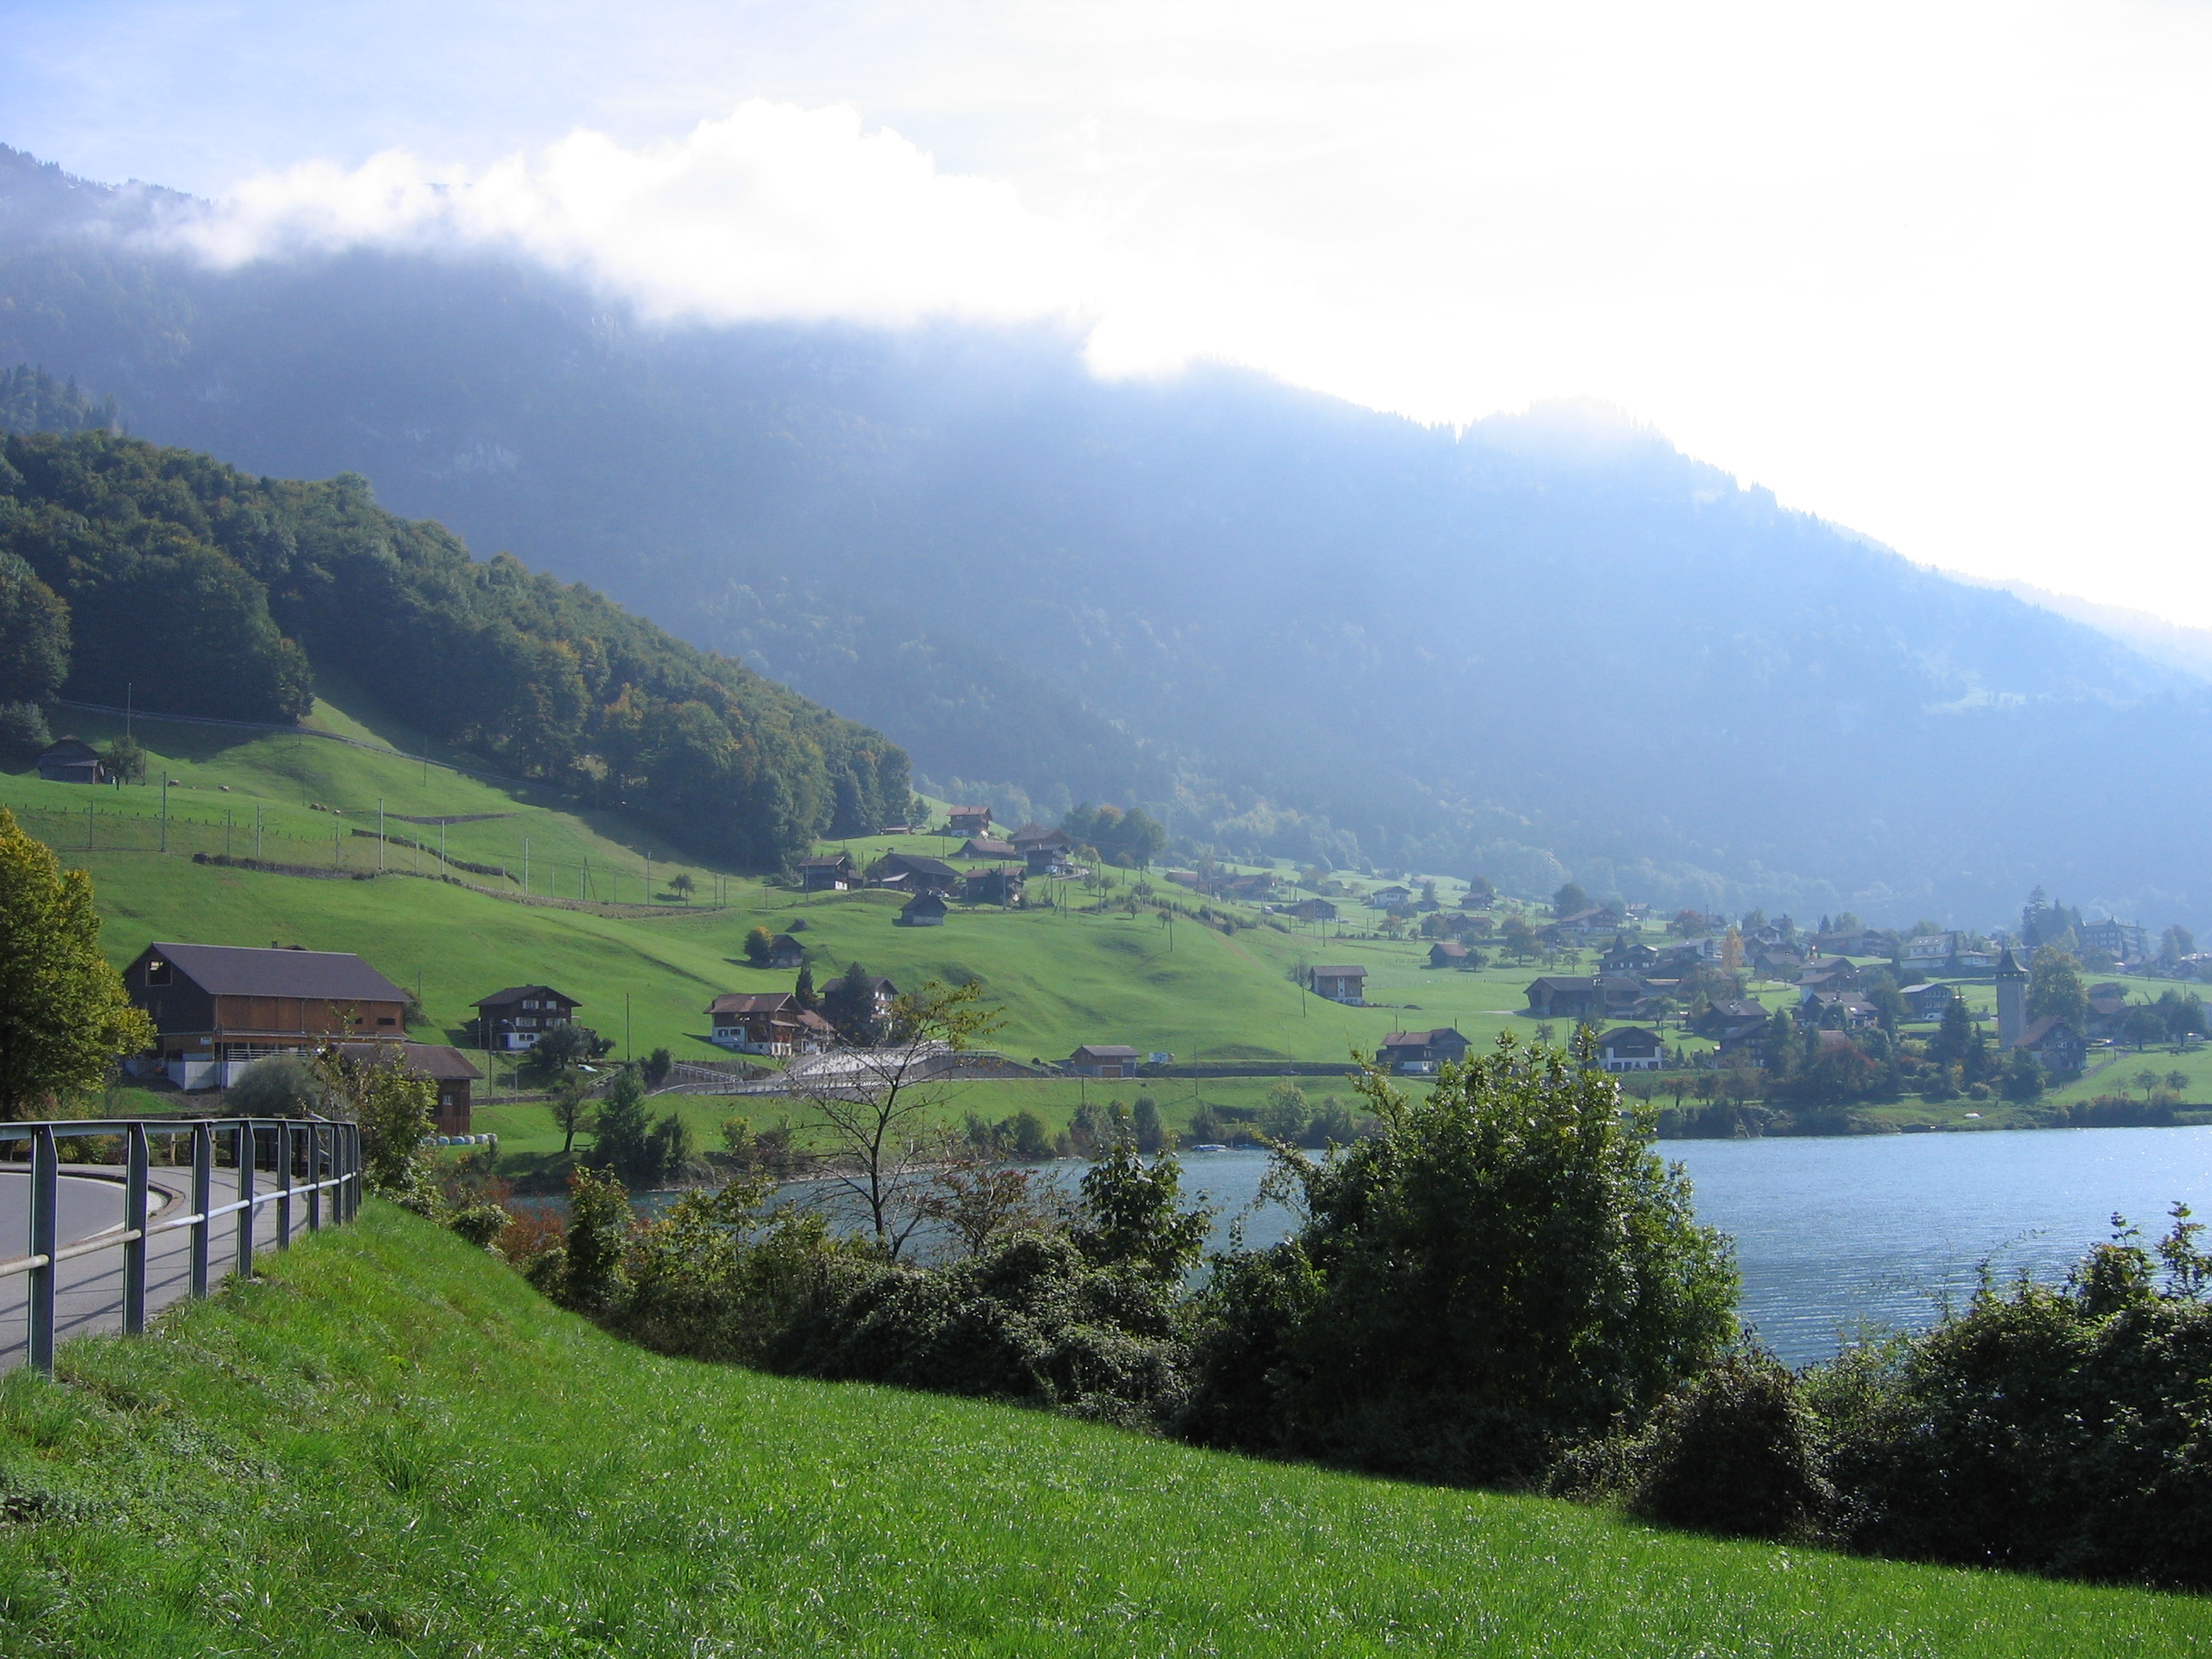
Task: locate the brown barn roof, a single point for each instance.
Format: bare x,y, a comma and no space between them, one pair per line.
234,970
435,1061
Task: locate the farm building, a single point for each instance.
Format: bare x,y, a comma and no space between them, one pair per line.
971,820
1103,1060
1418,1053
1446,953
217,1008
829,873
517,1016
1631,1048
1345,983
922,910
71,759
1556,997
766,1023
912,872
1002,885
448,1069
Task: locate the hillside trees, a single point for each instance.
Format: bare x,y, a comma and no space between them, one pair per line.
64,1017
35,635
2054,988
1132,839
209,592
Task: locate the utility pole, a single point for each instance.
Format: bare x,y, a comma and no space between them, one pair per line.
648,877
165,806
226,832
525,864
126,711
256,830
88,828
379,834
628,1053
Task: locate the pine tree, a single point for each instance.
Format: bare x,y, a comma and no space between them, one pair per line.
63,1016
803,991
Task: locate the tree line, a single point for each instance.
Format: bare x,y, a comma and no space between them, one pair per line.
196,589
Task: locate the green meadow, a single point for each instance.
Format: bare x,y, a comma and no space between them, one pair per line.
388,1444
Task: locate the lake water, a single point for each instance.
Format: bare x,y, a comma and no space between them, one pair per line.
1835,1234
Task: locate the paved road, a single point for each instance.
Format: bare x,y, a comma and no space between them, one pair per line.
90,1296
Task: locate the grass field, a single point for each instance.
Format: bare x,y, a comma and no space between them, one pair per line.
391,1445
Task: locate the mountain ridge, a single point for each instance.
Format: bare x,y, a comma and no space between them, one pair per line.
1281,624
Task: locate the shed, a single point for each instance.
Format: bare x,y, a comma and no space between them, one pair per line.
1342,983
1103,1060
922,910
71,759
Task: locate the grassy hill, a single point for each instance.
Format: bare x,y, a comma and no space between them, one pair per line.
390,1444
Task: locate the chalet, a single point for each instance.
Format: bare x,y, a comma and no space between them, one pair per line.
1103,1060
1927,1001
911,872
1777,964
1626,956
922,910
1629,1048
71,759
448,1069
1929,952
1584,923
2054,1043
217,1008
1390,898
1852,1011
1045,851
2108,1007
1001,885
982,846
1250,890
1342,983
1628,996
972,821
1417,1053
1555,998
830,873
1446,953
1975,960
1734,1025
516,1018
1314,910
766,1023
1828,975
786,952
2122,941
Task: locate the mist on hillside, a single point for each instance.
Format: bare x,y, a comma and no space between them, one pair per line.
1549,646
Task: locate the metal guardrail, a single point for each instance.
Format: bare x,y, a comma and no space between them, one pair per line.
309,1156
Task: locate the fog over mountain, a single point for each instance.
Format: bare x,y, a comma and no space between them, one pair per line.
1550,644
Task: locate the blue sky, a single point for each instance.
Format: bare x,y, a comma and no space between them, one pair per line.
1933,270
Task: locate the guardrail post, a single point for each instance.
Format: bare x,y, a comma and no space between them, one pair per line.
46,1195
314,1176
284,1183
354,1189
245,1211
202,1197
136,1159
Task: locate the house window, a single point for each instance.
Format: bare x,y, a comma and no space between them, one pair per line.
157,971
386,1019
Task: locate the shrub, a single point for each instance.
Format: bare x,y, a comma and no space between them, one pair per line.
1738,1451
592,1278
277,1086
23,730
1505,1268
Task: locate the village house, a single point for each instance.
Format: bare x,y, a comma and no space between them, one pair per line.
71,759
912,872
1777,964
1631,1048
1853,1010
2122,941
1249,889
982,846
1390,898
786,952
1314,910
1826,974
1974,960
1929,954
1734,1025
1554,997
1627,955
1002,885
2056,1046
1109,1060
2108,1008
1412,1054
972,821
447,1069
1345,983
1047,852
922,910
766,1023
217,1008
516,1018
1927,1001
1446,953
829,873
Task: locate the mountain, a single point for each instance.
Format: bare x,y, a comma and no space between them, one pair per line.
126,568
1549,644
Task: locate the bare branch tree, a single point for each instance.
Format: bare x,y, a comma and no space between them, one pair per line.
883,1108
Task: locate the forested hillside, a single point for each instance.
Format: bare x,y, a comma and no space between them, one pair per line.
163,575
1549,646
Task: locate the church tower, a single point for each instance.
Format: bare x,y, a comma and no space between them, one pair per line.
2012,1000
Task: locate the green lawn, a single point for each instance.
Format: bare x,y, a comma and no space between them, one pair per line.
391,1445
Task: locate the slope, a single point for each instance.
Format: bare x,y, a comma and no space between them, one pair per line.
389,1443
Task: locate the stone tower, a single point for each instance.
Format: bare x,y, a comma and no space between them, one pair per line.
2012,1000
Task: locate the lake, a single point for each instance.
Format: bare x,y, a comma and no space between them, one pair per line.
1834,1234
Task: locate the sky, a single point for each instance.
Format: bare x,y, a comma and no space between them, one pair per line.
1936,272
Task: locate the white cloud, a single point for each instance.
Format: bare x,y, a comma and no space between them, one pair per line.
772,211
